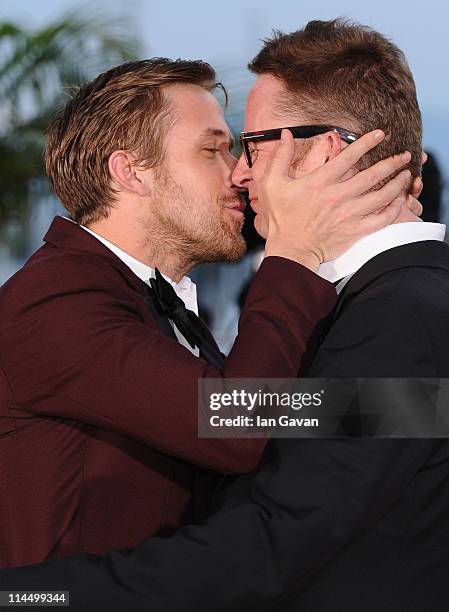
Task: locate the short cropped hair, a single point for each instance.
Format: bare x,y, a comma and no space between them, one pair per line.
122,109
342,73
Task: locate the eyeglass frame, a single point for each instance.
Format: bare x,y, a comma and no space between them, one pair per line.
298,131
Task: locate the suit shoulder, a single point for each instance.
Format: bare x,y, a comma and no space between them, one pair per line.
55,282
423,291
376,336
55,269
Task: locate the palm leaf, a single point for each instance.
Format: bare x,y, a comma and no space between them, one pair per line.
37,69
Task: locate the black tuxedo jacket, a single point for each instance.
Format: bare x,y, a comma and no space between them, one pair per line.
326,525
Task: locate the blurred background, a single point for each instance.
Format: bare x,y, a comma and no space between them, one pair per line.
48,47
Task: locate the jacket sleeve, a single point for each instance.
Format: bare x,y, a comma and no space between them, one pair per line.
79,349
274,528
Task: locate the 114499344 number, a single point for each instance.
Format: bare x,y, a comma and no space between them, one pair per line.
34,598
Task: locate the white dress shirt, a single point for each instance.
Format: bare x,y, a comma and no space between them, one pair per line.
369,246
185,289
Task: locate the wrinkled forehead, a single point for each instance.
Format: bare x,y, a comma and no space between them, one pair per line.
194,110
264,105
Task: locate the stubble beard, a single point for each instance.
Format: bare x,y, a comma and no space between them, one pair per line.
199,233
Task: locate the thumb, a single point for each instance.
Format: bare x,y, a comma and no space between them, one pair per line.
282,157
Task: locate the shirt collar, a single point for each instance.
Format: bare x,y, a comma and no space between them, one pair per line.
366,248
185,288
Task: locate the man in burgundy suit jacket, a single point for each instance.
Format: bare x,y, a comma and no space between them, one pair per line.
98,439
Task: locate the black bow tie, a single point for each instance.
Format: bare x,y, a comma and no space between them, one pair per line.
170,306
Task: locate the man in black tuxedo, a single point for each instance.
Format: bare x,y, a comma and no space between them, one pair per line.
332,524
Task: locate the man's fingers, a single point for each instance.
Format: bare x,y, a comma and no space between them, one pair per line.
374,201
372,176
375,222
338,166
279,164
414,206
416,187
424,158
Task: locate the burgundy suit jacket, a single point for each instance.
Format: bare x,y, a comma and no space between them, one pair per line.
98,407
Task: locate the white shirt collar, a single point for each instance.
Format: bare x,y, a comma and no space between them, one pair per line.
185,289
369,246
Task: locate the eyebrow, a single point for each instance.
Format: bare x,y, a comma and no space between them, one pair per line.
220,133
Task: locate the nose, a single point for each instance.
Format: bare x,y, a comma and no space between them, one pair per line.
242,174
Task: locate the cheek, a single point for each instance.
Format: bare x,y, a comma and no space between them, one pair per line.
215,178
258,172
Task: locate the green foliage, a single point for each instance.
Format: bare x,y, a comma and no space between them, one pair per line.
38,68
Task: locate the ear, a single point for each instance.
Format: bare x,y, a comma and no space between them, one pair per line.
331,146
126,174
324,148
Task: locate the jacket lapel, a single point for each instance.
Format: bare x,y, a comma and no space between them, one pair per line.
66,234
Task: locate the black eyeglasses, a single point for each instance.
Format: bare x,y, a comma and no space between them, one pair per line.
298,131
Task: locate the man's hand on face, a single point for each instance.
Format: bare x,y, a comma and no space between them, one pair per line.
317,217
